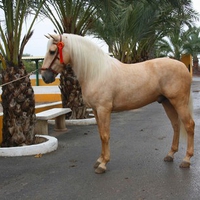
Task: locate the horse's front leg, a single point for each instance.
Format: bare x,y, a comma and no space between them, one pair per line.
103,121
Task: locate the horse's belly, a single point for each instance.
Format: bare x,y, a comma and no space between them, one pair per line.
128,102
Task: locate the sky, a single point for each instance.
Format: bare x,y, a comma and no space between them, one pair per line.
38,43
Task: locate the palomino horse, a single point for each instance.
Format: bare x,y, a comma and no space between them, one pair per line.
109,85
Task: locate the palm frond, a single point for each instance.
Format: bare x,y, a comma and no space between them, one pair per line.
15,13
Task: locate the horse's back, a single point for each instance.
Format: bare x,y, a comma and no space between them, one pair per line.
168,67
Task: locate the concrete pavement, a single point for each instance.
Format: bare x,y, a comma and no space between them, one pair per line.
140,140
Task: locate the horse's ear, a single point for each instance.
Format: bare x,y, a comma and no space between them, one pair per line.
47,36
53,37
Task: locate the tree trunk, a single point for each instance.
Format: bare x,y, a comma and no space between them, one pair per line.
18,108
195,62
71,95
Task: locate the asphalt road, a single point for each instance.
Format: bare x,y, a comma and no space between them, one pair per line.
140,140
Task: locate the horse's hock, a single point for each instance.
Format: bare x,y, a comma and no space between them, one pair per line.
43,117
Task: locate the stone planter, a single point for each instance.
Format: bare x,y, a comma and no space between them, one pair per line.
45,145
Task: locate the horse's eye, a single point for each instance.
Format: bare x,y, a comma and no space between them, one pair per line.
51,52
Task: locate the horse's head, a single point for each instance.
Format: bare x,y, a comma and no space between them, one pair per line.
54,60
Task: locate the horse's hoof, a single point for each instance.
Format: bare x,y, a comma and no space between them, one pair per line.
96,165
100,170
168,159
184,164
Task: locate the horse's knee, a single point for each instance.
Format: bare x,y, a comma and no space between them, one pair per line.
105,138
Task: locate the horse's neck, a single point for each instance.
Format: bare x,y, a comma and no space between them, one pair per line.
88,60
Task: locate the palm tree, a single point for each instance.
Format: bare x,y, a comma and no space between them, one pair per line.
179,42
18,96
132,27
192,43
71,16
172,45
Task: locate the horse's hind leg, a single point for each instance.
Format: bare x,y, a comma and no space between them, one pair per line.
189,124
173,116
183,109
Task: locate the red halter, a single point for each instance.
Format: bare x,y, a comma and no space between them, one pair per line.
60,46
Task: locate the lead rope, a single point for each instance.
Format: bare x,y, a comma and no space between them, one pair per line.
19,78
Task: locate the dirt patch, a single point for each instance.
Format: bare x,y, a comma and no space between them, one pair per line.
39,140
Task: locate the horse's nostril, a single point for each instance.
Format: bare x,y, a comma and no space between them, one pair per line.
43,78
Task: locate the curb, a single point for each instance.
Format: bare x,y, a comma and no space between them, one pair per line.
89,121
45,147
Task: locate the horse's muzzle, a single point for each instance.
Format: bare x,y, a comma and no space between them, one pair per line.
48,76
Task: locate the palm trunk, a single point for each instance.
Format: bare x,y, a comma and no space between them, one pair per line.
18,108
71,95
195,62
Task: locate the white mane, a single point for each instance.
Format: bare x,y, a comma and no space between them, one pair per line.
89,61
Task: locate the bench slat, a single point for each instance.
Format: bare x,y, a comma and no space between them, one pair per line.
52,113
